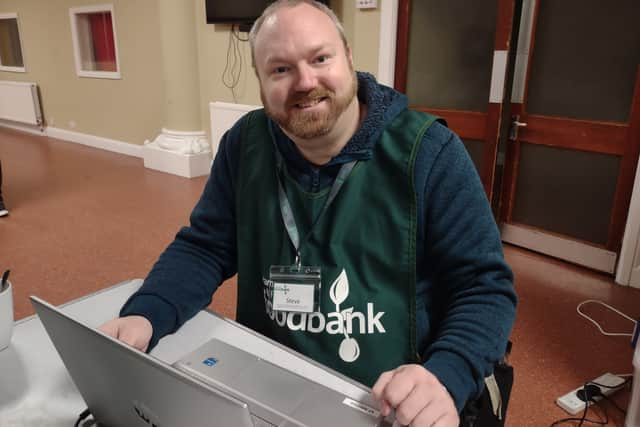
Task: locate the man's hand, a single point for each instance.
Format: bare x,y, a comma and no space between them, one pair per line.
133,330
420,400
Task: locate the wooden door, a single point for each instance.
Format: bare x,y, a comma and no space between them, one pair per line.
452,59
569,171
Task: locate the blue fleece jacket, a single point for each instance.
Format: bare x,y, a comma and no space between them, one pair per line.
465,296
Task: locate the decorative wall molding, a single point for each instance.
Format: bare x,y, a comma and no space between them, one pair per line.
186,154
183,142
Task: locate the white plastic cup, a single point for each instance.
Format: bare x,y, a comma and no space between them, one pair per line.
6,315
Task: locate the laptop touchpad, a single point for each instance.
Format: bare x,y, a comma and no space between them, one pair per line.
272,386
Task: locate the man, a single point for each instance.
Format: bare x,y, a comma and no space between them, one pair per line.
339,180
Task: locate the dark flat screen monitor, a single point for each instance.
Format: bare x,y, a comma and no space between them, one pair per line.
237,11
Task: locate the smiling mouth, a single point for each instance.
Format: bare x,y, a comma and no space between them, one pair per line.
309,103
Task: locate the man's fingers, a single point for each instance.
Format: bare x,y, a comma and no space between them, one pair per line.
109,328
129,336
436,412
385,408
135,331
448,420
378,392
410,407
419,399
381,383
397,390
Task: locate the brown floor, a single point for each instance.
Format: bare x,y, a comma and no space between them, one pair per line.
82,219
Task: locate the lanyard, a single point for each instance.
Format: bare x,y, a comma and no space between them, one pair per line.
285,206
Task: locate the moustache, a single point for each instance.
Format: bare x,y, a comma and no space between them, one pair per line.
309,97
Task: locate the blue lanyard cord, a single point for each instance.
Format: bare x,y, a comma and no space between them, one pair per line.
287,212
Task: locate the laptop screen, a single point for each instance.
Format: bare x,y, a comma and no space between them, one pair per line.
125,387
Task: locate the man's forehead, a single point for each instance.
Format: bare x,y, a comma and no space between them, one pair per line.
293,23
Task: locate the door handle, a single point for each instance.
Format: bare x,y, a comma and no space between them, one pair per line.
515,126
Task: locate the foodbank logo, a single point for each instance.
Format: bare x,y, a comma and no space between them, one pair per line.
343,321
349,350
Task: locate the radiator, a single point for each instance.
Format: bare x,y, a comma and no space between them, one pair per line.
19,102
222,116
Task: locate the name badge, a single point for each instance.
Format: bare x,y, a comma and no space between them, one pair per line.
295,288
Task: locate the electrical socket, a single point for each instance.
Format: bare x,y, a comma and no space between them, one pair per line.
572,404
366,4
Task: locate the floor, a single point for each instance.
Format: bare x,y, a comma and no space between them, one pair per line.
82,219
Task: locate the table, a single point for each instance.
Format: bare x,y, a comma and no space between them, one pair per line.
36,390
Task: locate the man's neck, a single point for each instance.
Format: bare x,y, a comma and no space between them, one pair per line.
321,150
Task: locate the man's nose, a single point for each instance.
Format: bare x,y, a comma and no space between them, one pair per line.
307,79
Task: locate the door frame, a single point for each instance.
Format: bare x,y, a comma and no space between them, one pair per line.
387,41
628,273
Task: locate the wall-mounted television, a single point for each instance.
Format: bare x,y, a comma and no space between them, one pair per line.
237,11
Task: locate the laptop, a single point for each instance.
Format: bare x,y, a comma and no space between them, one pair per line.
126,387
273,393
215,385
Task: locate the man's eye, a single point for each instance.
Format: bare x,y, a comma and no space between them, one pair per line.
280,70
322,58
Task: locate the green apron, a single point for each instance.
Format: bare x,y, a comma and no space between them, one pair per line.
365,244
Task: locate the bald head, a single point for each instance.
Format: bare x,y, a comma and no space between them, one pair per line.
269,17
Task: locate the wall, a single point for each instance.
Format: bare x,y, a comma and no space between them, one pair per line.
130,109
362,29
213,41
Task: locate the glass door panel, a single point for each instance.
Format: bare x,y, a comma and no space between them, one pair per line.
566,191
451,53
585,59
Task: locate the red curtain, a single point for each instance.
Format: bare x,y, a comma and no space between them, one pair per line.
103,44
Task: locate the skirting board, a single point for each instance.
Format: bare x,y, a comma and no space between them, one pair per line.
34,129
95,141
187,166
558,247
79,138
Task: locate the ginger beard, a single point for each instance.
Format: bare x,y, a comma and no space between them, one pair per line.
307,123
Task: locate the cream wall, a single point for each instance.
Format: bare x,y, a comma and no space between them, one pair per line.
129,109
362,29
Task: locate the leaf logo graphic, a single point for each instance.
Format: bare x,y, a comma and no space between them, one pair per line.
339,289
